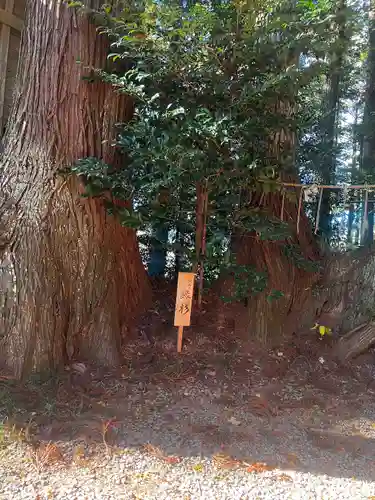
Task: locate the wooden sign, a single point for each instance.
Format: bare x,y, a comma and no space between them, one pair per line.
184,301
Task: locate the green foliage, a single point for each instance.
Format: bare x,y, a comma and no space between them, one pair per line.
275,295
213,85
247,280
74,4
293,253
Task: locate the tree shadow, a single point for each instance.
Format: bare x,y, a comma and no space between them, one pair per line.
191,408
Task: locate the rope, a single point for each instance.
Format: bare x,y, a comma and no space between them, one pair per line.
318,211
364,219
370,187
299,209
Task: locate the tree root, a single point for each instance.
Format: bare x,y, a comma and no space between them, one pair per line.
355,342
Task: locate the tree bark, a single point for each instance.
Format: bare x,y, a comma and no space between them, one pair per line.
75,275
351,216
368,149
267,320
356,342
263,319
329,125
344,300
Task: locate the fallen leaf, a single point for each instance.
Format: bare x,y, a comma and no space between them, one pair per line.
79,457
225,461
198,467
284,477
259,467
292,459
171,460
156,452
54,454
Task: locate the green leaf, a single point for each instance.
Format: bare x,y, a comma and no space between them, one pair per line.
73,4
274,295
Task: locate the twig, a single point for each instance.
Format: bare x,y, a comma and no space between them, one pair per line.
282,205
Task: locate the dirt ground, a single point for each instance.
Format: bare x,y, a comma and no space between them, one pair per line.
290,407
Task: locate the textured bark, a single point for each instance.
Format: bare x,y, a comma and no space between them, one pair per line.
368,145
345,295
344,300
356,342
262,319
329,123
352,230
75,277
268,321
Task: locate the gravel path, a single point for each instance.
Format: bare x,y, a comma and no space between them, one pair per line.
213,434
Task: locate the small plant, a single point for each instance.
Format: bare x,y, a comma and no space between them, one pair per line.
107,426
10,434
46,455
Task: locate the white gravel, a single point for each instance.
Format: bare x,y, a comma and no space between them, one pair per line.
318,443
135,475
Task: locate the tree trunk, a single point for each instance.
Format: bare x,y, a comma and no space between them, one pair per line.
329,125
344,300
368,150
157,261
264,319
353,174
268,320
75,275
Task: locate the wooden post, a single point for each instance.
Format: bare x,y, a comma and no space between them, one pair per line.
179,338
184,300
203,245
6,17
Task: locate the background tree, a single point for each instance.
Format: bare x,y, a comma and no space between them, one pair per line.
368,145
331,105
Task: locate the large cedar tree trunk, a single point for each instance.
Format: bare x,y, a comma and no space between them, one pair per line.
268,320
262,319
75,276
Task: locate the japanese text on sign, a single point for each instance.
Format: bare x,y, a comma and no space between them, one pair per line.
184,299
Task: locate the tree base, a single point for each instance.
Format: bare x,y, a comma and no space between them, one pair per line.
355,342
